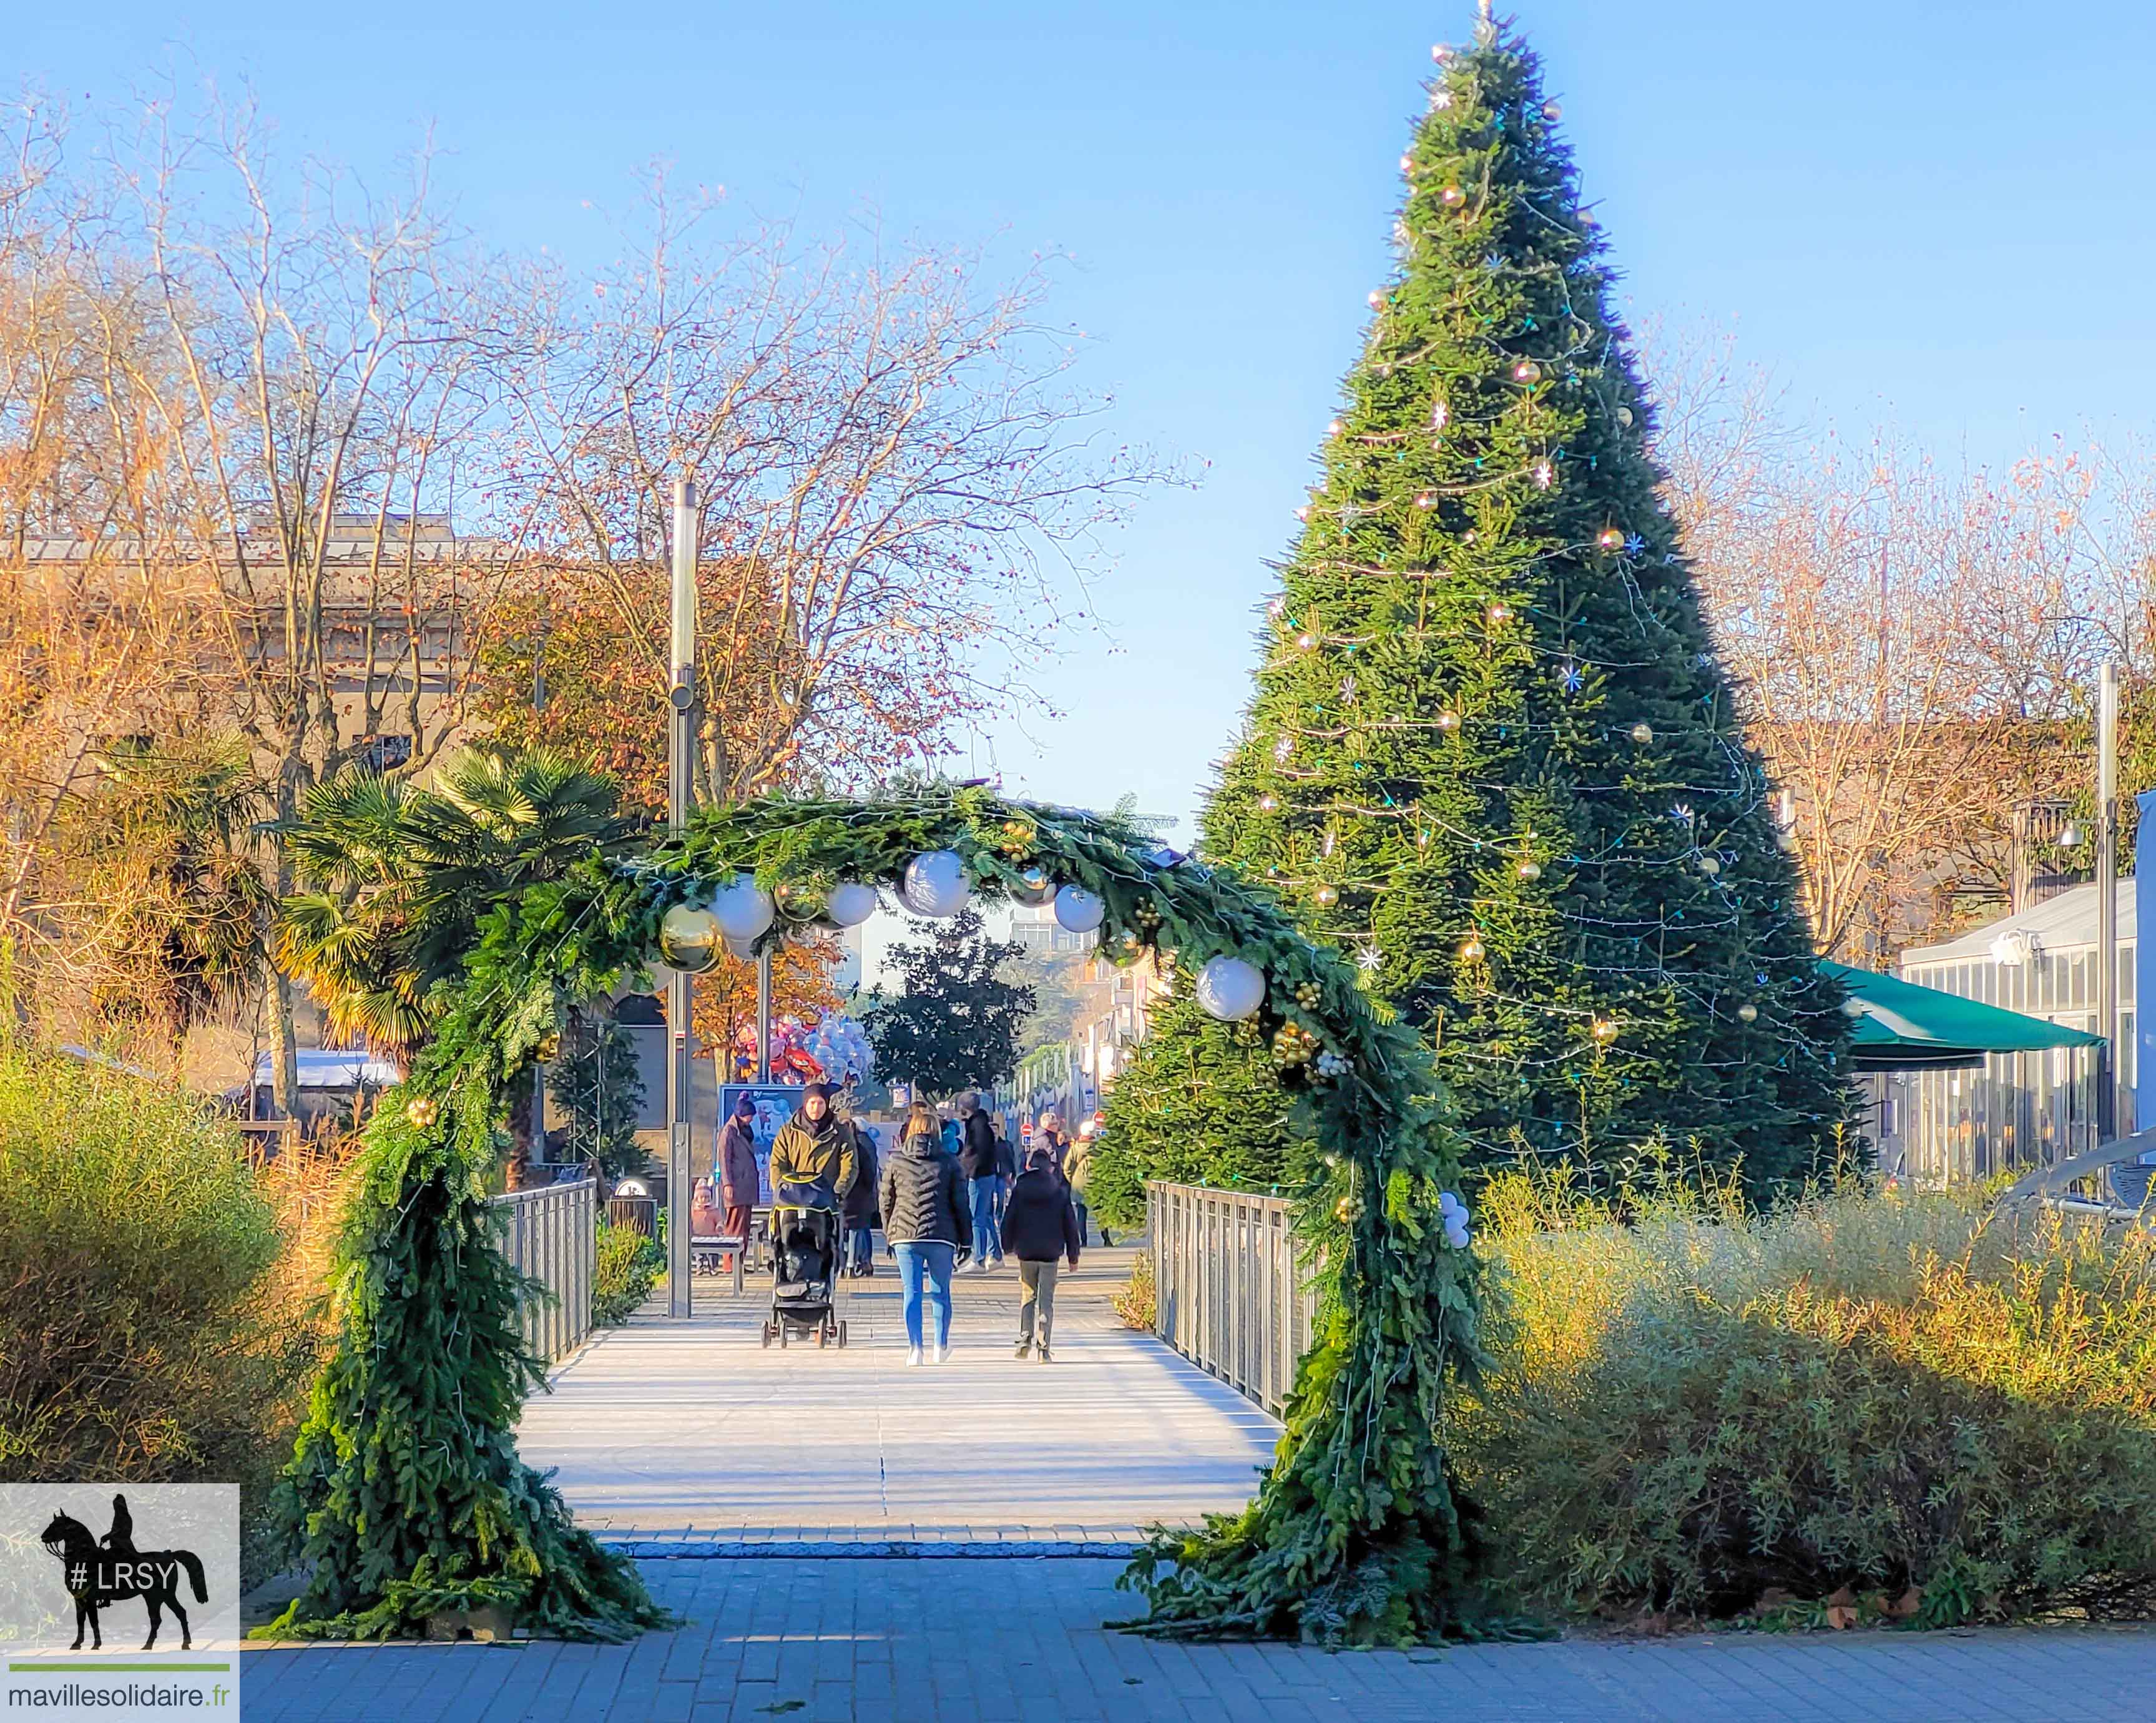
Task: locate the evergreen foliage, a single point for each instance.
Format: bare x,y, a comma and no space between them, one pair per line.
1491,752
597,1082
1212,1114
956,1025
406,1492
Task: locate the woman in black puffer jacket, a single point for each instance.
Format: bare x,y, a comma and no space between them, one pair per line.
922,1197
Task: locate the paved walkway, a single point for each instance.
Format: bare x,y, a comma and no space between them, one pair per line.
995,1640
681,1439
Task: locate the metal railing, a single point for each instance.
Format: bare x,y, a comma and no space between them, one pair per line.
1230,1296
551,1234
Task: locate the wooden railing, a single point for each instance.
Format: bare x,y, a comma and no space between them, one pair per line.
551,1234
1231,1296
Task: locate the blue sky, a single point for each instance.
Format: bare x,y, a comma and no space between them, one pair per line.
1939,215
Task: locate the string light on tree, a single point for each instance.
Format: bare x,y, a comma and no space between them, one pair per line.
1478,555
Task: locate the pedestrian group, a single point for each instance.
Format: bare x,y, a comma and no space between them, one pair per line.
952,1192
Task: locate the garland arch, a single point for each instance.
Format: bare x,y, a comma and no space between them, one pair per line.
406,1494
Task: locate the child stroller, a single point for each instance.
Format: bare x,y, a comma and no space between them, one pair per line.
804,1274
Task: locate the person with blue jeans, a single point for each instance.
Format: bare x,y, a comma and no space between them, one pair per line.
977,1160
922,1195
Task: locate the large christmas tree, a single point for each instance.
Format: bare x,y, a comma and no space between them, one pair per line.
1491,750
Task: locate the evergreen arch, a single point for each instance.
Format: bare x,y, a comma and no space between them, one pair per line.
406,1493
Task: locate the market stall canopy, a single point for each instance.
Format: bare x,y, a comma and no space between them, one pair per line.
1903,1026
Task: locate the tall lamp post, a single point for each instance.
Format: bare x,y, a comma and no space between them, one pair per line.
680,993
2107,901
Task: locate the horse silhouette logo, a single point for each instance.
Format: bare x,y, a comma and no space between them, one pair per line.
102,1571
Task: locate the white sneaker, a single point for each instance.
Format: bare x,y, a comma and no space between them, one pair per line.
913,1355
942,1354
980,1266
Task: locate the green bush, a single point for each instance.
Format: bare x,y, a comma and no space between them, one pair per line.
141,1336
1693,1409
629,1265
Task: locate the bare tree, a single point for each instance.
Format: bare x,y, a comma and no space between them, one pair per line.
317,370
898,494
1914,647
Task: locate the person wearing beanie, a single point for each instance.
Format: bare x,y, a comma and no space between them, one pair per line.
812,1158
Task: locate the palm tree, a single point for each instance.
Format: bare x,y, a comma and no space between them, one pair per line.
399,875
162,851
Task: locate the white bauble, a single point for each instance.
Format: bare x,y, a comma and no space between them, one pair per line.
744,909
852,904
688,939
1229,989
936,884
1078,910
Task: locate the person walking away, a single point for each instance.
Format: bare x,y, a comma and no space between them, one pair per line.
740,1181
976,1160
923,1194
1039,1226
857,1208
1006,1169
1078,1167
1048,1134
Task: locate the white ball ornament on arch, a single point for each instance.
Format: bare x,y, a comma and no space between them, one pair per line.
743,909
852,904
1079,911
934,884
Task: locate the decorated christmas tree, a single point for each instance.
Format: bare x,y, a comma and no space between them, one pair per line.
1492,751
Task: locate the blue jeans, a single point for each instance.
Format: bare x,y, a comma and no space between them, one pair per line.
933,1256
987,1241
861,1249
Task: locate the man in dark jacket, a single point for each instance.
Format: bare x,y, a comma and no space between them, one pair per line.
1039,1226
923,1197
976,1160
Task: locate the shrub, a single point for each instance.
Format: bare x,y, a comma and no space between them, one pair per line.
629,1265
1137,1306
1687,1408
143,1337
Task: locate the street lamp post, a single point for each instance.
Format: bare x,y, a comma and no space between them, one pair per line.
2107,901
681,993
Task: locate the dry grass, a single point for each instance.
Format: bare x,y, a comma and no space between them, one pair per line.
1689,1406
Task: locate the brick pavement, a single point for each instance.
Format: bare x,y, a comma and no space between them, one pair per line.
1005,1641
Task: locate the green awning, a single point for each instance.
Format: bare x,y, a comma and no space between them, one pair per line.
1907,1027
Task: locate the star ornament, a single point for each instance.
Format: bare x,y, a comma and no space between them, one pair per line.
1572,677
1369,959
1633,544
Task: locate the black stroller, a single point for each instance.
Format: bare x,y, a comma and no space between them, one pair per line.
804,1274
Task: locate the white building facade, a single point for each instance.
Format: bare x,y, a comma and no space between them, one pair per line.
2019,1109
